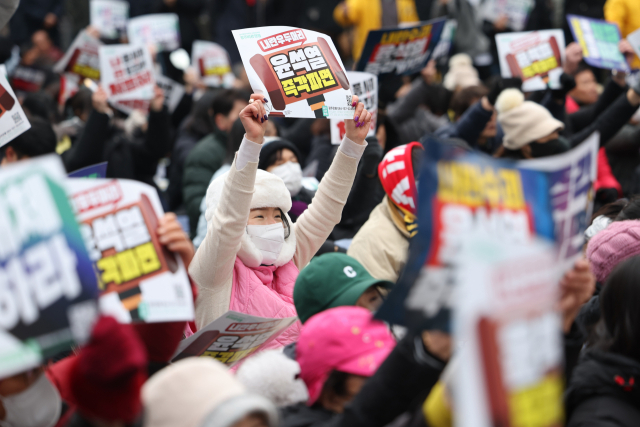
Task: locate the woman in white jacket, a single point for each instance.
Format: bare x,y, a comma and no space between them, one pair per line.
252,253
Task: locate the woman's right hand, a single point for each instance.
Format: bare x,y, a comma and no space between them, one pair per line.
254,118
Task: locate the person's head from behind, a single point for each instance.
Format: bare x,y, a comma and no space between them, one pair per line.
586,90
29,399
335,280
81,103
619,331
37,141
629,210
462,100
281,158
338,350
530,131
226,107
612,245
201,392
38,104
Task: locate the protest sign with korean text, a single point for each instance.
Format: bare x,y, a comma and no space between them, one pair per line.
99,170
212,64
69,86
109,17
536,57
82,57
400,51
140,280
443,48
599,41
516,12
509,372
171,90
463,192
127,72
160,30
232,337
365,86
13,120
47,286
298,71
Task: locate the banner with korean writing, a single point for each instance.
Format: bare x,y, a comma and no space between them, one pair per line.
160,30
443,49
400,51
534,56
172,91
365,86
462,192
109,17
232,337
127,72
298,71
509,372
81,58
212,64
13,120
47,286
599,41
516,12
140,280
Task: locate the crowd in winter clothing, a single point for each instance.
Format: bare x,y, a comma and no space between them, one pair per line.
273,218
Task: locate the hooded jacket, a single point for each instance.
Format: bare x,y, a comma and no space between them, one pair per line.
604,391
220,268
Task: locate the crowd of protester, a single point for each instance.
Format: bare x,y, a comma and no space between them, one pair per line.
272,219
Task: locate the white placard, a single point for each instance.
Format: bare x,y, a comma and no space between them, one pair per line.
365,86
212,64
516,11
127,72
160,30
13,121
109,17
172,91
298,71
81,58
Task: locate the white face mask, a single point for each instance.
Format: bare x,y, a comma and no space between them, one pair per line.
269,240
38,406
291,174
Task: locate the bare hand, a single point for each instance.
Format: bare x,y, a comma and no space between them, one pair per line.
92,31
437,343
576,288
573,56
429,72
253,118
501,23
171,235
99,101
158,100
358,128
626,49
50,20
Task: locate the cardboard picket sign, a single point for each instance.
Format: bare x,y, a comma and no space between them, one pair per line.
127,72
599,41
516,11
172,91
232,337
81,58
534,56
400,51
13,120
139,279
160,30
212,63
365,86
109,17
47,286
510,371
298,71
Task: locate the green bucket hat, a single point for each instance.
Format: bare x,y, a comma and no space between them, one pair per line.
331,280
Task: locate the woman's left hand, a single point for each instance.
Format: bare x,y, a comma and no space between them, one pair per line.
358,128
171,235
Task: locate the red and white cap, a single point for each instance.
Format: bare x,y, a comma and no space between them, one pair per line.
396,174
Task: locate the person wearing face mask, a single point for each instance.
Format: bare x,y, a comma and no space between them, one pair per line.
29,399
281,158
251,255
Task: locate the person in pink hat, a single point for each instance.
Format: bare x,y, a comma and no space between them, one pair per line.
619,241
337,351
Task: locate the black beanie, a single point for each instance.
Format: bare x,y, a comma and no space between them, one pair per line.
272,147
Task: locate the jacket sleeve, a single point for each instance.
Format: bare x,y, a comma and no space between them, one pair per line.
405,107
316,223
212,265
408,372
616,11
586,115
89,148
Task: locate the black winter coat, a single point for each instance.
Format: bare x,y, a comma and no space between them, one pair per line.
604,391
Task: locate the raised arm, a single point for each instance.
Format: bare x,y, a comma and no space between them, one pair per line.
212,265
316,223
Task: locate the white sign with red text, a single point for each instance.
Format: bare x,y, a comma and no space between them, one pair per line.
212,63
127,72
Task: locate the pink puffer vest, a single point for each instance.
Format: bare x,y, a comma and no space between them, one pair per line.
267,291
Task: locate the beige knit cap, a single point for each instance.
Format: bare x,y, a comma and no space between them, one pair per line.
523,121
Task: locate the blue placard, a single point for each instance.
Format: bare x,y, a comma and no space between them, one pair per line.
599,41
99,170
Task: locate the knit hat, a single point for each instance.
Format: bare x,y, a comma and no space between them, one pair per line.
107,375
608,248
331,280
272,145
461,73
345,339
269,192
199,392
523,121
